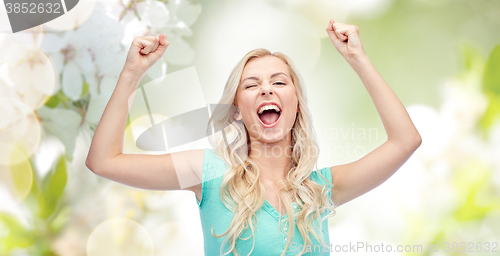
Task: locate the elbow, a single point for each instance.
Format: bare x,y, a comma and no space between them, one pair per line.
410,143
419,140
99,165
91,166
415,142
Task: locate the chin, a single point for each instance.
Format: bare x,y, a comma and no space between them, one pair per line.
270,139
272,135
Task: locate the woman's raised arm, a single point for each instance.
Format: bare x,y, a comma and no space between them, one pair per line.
173,171
354,179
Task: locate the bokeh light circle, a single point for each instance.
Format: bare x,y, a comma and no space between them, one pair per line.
318,13
135,129
119,237
19,129
16,175
250,25
32,36
25,73
74,18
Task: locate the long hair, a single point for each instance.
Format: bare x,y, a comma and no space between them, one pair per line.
241,190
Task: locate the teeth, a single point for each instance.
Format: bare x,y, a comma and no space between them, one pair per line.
268,107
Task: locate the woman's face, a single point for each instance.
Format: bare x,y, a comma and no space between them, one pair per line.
267,99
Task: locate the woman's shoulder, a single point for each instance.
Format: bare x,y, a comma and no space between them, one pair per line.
322,176
213,165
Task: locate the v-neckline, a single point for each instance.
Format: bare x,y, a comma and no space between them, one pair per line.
273,212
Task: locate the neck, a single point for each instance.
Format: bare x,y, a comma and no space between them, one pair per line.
272,158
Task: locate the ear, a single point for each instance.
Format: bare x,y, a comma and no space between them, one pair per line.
237,114
297,108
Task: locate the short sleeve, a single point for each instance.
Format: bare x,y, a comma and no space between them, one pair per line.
204,174
211,174
327,174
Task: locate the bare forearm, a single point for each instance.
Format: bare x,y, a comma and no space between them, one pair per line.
108,138
395,118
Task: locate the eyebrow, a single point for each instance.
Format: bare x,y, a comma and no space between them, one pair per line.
257,79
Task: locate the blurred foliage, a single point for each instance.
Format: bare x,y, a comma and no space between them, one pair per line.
19,235
491,87
387,43
491,81
46,203
37,222
417,42
476,194
476,191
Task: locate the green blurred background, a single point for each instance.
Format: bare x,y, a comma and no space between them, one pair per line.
441,58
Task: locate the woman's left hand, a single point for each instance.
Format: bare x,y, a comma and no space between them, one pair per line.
346,39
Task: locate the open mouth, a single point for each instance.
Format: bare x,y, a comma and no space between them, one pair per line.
269,115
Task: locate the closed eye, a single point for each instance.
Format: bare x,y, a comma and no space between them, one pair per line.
252,85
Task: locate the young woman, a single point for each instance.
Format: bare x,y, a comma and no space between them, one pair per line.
263,166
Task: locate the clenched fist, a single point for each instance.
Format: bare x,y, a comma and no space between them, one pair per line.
143,53
346,39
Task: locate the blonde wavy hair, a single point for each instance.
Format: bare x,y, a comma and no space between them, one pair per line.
241,189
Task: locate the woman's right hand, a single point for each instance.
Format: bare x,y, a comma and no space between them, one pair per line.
143,53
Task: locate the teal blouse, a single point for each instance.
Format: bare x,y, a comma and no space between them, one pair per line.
270,236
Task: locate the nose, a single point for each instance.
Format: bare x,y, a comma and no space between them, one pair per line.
266,89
